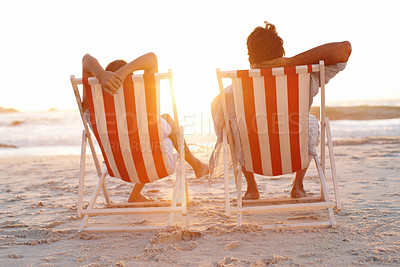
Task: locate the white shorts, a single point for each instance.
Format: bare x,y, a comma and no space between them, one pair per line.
168,146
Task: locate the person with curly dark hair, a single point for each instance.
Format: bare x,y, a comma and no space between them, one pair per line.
265,50
256,44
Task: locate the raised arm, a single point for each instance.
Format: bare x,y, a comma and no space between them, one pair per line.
148,62
331,53
110,81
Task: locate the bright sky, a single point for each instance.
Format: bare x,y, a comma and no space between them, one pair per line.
43,42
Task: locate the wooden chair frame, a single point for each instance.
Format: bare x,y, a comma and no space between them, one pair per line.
126,208
281,205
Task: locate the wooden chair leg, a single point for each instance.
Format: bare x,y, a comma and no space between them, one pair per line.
83,223
333,166
322,113
226,177
98,168
239,196
185,195
175,196
94,198
324,191
185,203
82,174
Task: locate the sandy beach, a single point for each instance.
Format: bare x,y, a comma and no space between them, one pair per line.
38,221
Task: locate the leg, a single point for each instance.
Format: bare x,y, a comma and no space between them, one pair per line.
136,196
297,189
200,169
252,190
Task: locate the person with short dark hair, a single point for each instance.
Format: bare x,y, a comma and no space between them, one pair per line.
111,80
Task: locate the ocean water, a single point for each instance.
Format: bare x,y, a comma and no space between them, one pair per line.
59,132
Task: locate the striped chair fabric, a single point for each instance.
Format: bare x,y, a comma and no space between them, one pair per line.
272,107
128,129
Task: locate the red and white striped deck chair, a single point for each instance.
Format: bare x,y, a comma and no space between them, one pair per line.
128,131
272,108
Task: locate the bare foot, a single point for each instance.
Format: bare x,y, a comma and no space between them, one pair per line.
251,195
138,198
298,193
202,171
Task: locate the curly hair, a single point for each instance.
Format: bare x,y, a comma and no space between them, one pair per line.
264,44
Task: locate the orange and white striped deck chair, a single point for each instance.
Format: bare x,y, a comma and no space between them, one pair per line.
128,131
272,107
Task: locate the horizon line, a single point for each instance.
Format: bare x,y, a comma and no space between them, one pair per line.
332,103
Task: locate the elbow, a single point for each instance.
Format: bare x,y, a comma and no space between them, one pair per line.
85,59
151,62
152,57
345,51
